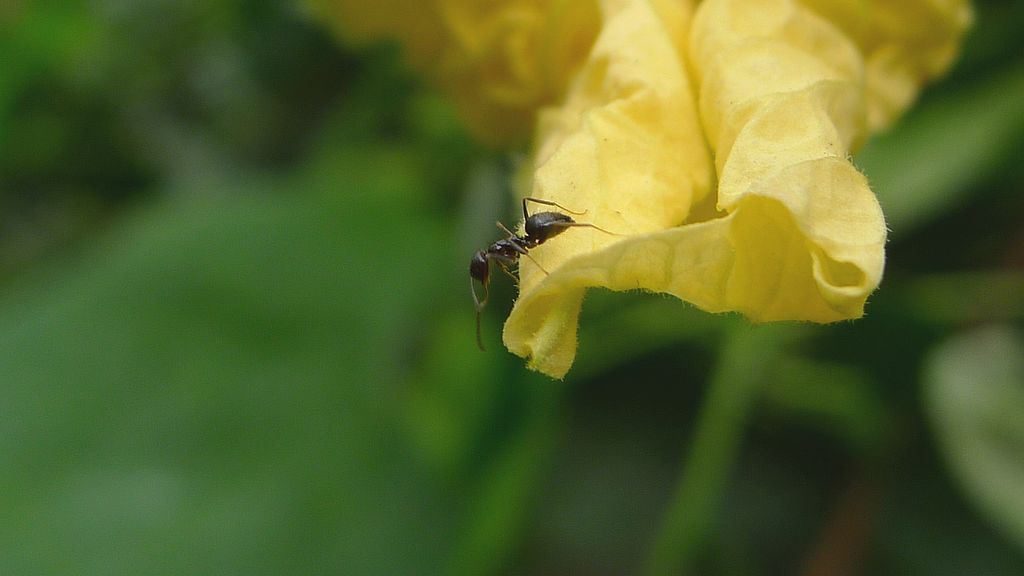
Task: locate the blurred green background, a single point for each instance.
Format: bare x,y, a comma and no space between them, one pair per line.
236,335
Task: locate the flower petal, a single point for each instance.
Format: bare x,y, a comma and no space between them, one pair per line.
783,104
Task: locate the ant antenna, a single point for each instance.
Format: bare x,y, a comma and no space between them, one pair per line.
583,225
510,233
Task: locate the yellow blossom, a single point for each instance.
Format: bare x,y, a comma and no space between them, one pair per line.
715,140
499,61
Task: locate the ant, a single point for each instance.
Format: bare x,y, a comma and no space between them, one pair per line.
540,228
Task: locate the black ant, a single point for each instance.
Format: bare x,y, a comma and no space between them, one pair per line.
540,228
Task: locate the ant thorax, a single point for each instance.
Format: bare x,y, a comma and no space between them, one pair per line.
509,249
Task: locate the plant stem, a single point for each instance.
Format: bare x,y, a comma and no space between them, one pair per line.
716,442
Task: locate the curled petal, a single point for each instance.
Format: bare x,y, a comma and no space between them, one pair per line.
782,100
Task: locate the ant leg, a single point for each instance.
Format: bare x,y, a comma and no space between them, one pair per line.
479,308
581,225
513,276
534,260
479,338
487,294
505,269
526,215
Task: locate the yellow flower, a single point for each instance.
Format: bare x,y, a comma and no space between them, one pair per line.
499,61
715,140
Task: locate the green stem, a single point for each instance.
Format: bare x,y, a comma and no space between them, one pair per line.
714,450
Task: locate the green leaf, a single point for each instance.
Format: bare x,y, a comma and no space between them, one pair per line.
975,397
212,388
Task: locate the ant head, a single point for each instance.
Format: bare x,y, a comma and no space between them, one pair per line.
479,268
544,225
